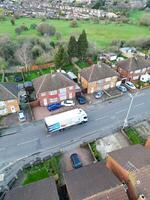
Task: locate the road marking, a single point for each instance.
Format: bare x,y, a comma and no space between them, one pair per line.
30,141
140,104
120,111
101,118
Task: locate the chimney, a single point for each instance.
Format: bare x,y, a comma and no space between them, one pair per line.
142,197
147,144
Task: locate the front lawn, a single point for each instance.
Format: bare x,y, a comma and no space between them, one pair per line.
134,136
46,169
95,152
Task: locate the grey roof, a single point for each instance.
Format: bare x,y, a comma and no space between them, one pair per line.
8,91
89,180
50,82
97,72
134,156
41,190
134,63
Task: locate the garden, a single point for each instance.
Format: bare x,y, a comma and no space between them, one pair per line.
46,169
95,152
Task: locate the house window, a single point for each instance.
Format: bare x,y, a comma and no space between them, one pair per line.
54,92
43,94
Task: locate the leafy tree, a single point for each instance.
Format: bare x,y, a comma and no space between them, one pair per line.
82,45
3,63
148,4
61,58
13,20
74,23
72,47
46,29
18,30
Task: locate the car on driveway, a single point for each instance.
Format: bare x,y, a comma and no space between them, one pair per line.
54,106
98,94
121,88
68,102
75,159
21,116
81,99
129,85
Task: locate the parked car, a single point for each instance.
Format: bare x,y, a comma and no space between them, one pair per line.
21,116
81,99
68,102
18,78
75,159
54,106
98,94
129,85
121,88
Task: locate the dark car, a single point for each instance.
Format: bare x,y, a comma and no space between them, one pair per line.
81,99
54,106
75,159
18,78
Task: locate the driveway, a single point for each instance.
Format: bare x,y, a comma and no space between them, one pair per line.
83,152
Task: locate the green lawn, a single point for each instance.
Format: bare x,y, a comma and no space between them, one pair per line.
101,34
48,168
135,16
134,136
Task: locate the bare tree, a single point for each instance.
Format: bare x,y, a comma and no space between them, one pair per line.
23,55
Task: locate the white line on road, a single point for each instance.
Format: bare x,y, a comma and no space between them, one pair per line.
30,141
140,104
101,118
120,111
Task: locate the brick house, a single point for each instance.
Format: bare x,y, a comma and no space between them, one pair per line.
130,164
97,77
133,68
94,182
8,98
41,190
51,88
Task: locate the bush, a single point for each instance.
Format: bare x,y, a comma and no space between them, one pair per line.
58,35
18,30
73,24
24,27
142,43
145,20
46,29
95,152
33,26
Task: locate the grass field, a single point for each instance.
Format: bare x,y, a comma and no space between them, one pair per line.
101,34
134,136
135,15
48,168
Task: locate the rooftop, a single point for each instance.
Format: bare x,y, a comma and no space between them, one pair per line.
89,181
8,91
134,63
132,157
50,82
97,72
41,190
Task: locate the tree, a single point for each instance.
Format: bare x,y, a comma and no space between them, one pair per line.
73,24
61,58
72,47
23,55
82,45
18,30
58,35
3,63
46,29
148,4
13,20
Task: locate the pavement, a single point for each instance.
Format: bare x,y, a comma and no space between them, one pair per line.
104,119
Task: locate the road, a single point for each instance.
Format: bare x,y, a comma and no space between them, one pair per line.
104,119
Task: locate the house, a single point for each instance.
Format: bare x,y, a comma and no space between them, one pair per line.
97,77
94,182
51,88
133,68
8,98
128,164
42,190
128,51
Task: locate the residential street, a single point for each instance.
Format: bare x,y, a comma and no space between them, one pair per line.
104,119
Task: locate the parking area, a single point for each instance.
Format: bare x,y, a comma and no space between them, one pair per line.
84,154
111,143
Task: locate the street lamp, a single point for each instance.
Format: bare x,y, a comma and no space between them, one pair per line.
128,112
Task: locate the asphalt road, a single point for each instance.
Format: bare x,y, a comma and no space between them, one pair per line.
104,119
